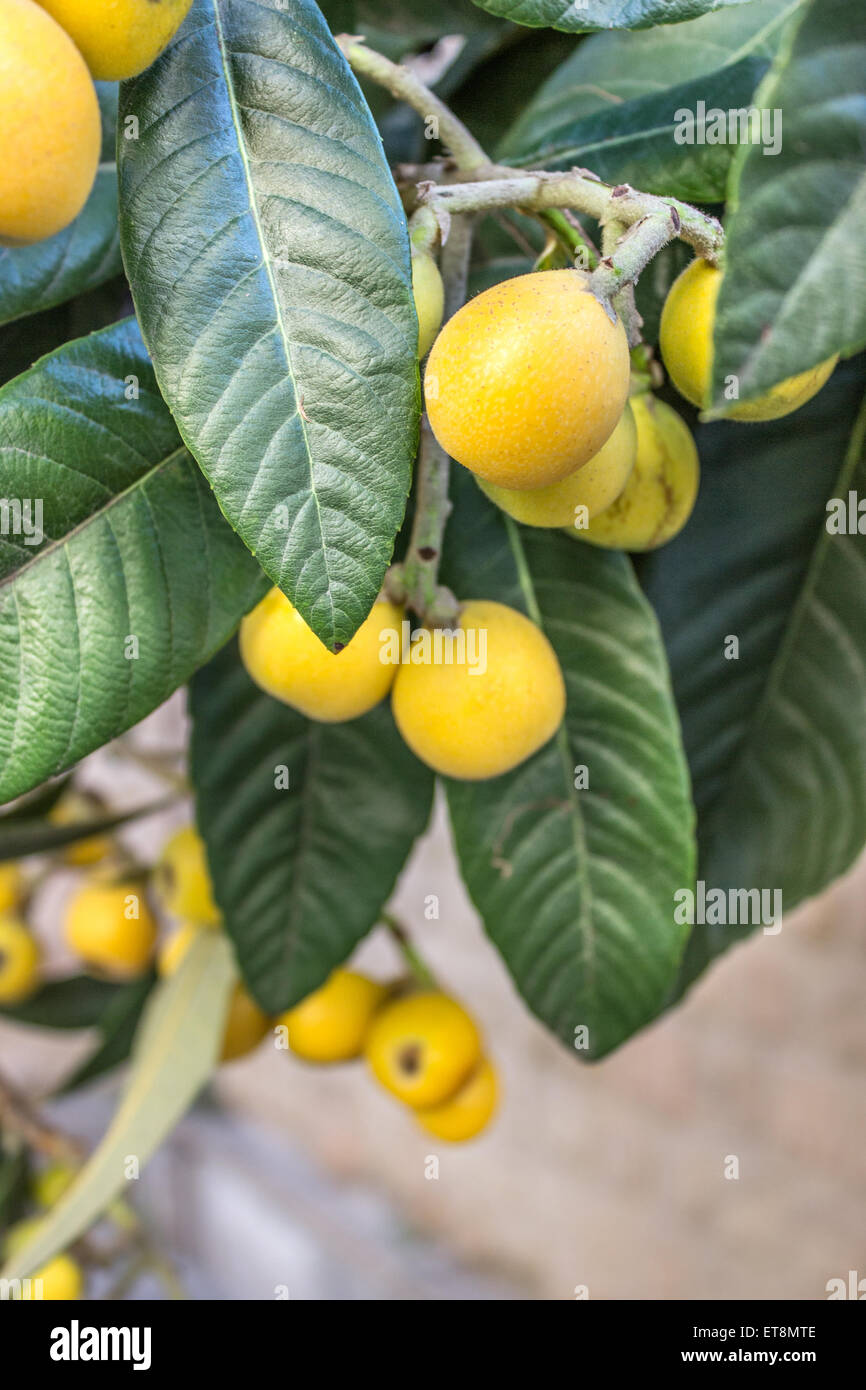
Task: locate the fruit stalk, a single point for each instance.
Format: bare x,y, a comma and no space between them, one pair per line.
402,83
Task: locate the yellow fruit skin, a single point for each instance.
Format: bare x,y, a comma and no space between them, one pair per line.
19,961
429,295
50,128
175,948
477,725
422,1048
594,486
468,1112
11,886
658,498
286,659
62,1278
686,342
330,1025
73,809
97,929
526,382
119,38
182,879
246,1025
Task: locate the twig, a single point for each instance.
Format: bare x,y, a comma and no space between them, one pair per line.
421,971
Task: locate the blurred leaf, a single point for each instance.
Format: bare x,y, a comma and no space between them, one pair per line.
26,340
14,1168
134,547
33,805
600,14
775,738
39,836
576,886
794,291
76,1002
118,1025
301,873
176,1049
268,254
85,254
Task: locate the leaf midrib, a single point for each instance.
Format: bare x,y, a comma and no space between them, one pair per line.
266,262
585,922
54,546
853,458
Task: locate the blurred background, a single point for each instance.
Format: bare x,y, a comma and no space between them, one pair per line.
611,1181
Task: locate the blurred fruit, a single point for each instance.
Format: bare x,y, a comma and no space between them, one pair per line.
468,1111
176,946
527,381
50,1183
119,38
50,126
422,1048
61,1279
429,295
20,958
76,808
285,658
594,486
182,879
109,925
330,1025
658,498
12,886
686,342
481,715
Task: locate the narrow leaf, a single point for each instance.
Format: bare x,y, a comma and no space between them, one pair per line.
301,872
268,255
137,579
176,1049
118,1026
76,1002
39,836
578,16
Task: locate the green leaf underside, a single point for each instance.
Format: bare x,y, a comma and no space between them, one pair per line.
174,1054
576,887
301,874
134,546
612,69
794,291
81,256
268,254
635,142
777,737
575,16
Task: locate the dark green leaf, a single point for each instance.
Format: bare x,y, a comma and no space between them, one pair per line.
26,340
576,887
794,291
578,16
269,259
118,1025
38,836
134,548
301,874
637,141
14,1168
612,69
77,1002
33,805
776,737
85,254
